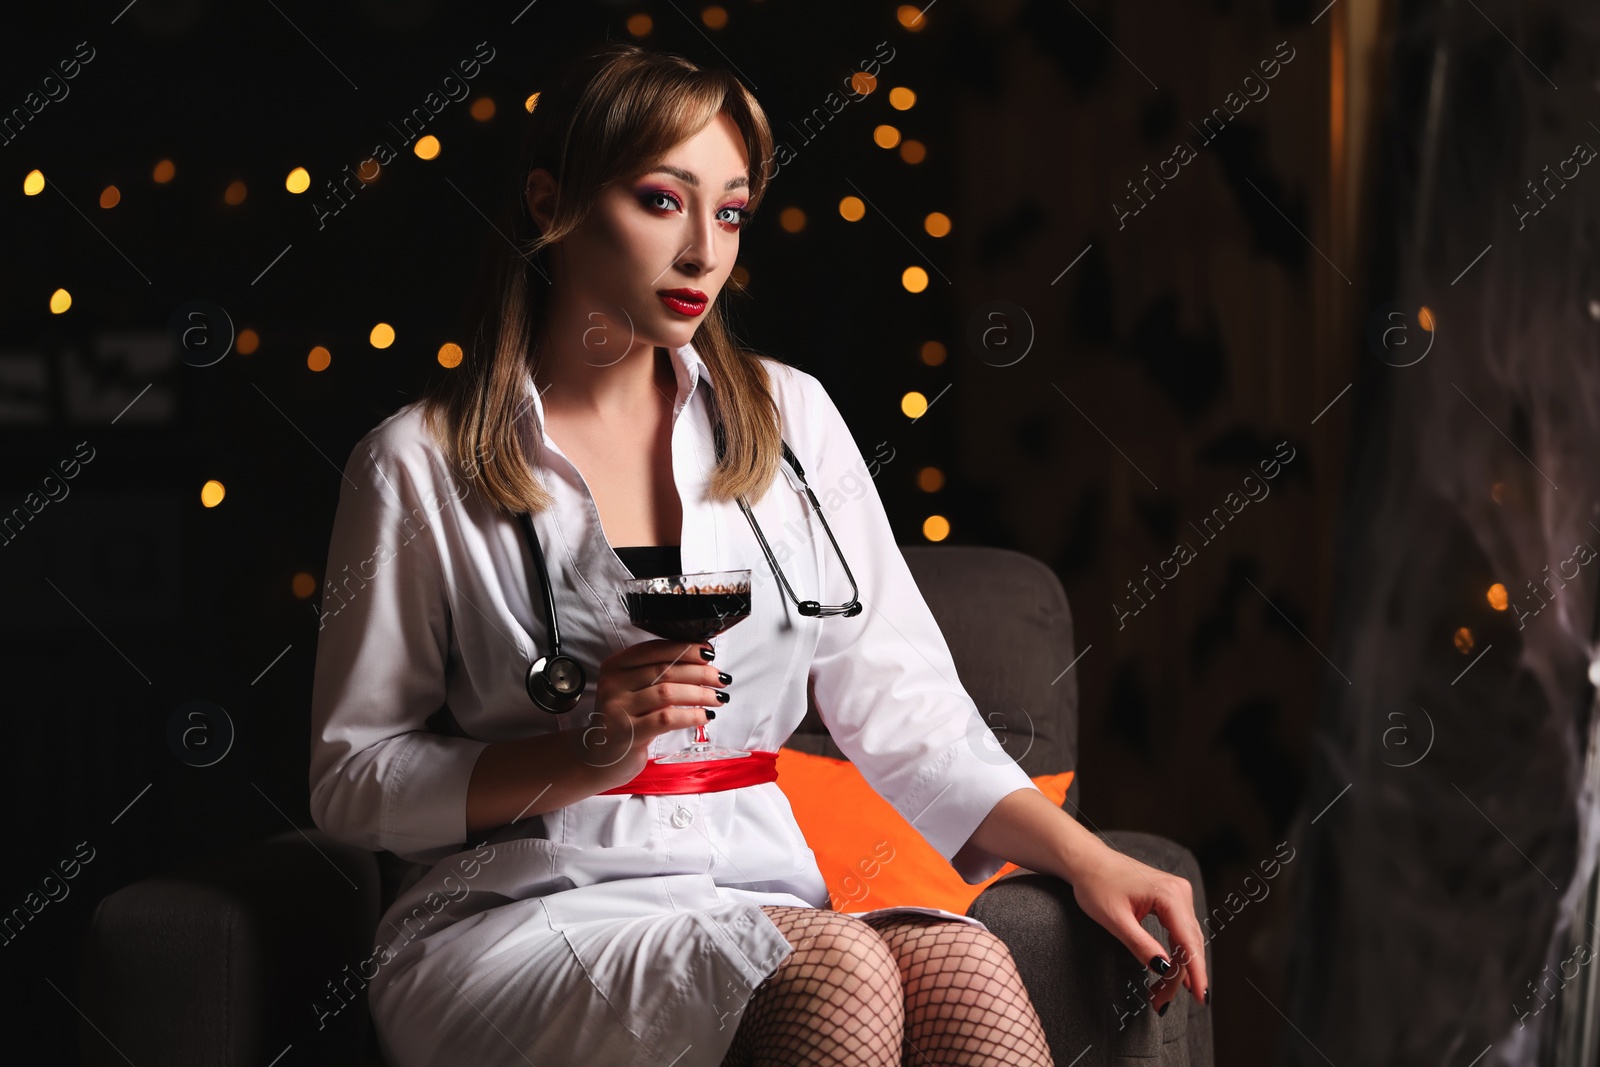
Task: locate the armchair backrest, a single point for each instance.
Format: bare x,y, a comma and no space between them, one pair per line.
1005,617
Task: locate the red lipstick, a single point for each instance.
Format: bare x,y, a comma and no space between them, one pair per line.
687,302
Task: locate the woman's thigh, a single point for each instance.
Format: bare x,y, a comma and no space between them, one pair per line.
965,1000
836,998
503,987
469,992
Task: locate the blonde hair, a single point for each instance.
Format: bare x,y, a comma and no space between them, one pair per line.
609,116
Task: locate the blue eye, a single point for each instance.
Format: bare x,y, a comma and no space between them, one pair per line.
653,200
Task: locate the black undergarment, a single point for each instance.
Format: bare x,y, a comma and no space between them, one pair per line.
651,561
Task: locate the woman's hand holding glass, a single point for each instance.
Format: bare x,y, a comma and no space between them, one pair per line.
644,691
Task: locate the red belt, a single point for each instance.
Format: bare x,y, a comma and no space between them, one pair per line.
709,776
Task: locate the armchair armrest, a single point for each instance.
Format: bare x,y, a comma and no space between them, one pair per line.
1078,975
226,961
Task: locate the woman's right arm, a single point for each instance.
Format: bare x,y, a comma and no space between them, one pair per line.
644,690
515,780
380,778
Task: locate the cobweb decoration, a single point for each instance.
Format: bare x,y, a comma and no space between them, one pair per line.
1435,894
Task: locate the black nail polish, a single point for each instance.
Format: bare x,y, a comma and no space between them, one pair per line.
710,714
708,654
724,677
1159,965
1208,994
724,696
1163,1009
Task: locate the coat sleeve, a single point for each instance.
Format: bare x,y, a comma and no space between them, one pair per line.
884,682
379,778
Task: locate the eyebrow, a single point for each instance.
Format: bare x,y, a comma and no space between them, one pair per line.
688,176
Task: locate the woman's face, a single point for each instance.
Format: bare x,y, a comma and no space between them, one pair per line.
651,258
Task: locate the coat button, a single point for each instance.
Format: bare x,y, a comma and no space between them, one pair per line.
682,817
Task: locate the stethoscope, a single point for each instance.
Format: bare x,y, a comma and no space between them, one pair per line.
555,681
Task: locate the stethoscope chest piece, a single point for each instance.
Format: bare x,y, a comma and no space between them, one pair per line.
556,683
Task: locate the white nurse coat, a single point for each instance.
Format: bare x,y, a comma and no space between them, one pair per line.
620,929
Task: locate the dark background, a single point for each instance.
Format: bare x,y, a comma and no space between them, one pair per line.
1162,367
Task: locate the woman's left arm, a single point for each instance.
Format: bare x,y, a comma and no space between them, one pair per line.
1112,888
887,689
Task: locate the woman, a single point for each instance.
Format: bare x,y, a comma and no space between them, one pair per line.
594,923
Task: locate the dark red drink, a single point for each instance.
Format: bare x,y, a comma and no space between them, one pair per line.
687,616
692,608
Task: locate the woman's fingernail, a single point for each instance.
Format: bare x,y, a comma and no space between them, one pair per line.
1208,994
1163,1009
724,696
724,677
710,714
708,654
1159,965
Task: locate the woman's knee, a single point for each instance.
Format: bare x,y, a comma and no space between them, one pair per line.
853,950
840,941
837,993
984,944
923,950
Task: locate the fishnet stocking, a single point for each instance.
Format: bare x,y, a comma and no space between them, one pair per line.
965,1003
834,1000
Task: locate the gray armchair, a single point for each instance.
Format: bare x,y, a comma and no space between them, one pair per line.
236,959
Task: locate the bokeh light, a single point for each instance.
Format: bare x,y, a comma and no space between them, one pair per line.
911,17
